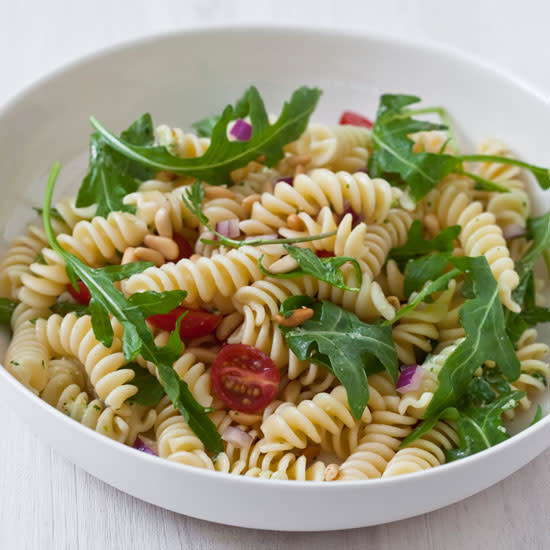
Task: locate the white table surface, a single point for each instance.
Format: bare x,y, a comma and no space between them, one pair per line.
46,502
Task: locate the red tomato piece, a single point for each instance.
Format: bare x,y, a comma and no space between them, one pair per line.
82,296
355,119
185,248
195,324
324,254
244,378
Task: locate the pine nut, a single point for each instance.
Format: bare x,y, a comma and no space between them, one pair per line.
129,256
394,302
149,255
165,175
167,247
216,192
244,418
163,223
203,355
249,201
284,265
267,186
294,222
331,472
195,257
431,223
297,317
228,324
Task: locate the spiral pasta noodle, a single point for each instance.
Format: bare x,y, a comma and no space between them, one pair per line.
343,147
424,453
480,235
370,198
73,336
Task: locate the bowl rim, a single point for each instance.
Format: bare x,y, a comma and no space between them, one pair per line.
430,47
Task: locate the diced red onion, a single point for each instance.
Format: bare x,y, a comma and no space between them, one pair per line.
409,378
229,228
355,217
148,447
288,179
237,437
513,231
254,237
241,130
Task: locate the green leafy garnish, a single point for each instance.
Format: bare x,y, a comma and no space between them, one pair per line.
419,272
338,340
150,391
137,338
224,156
478,415
417,246
205,126
538,231
537,417
54,213
394,159
6,309
483,320
393,148
324,269
193,196
62,308
111,175
441,283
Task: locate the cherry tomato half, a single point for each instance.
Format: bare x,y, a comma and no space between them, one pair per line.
185,248
324,254
82,296
355,119
195,324
244,378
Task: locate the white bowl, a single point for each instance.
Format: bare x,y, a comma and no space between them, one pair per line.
181,78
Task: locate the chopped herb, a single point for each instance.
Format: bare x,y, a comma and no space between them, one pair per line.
323,269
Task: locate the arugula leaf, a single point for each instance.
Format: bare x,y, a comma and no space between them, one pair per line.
393,148
54,213
441,283
417,246
538,230
394,159
193,196
480,426
155,303
150,391
324,269
62,308
419,272
483,320
137,338
338,340
224,156
478,415
205,126
111,176
537,417
6,309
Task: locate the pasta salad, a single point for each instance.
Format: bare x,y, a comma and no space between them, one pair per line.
270,297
